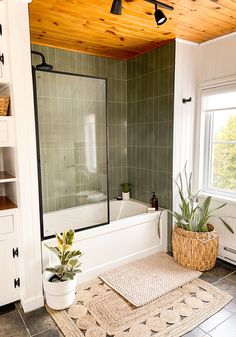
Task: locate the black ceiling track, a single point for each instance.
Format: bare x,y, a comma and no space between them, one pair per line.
161,4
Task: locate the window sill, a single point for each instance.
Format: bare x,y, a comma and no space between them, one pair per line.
217,197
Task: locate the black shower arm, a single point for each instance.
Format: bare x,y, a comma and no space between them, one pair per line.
38,53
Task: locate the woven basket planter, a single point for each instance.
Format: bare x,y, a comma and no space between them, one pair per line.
4,105
195,250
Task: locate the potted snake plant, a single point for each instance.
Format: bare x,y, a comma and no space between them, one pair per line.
195,242
126,187
59,281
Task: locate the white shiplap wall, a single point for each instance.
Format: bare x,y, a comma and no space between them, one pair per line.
218,66
218,58
197,66
186,77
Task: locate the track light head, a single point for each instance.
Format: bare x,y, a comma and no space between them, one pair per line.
159,16
116,7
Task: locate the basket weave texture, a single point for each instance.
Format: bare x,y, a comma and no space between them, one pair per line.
195,250
4,105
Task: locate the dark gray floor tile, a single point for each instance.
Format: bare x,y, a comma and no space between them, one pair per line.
226,286
231,278
227,328
5,309
215,320
231,306
222,269
37,321
208,277
195,333
55,332
11,325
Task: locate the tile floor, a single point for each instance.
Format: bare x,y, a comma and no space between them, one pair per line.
14,323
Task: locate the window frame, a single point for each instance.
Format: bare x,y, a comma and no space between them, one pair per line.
205,149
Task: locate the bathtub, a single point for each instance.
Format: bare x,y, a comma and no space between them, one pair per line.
131,234
89,215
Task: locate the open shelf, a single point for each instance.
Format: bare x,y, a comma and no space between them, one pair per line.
6,203
4,86
6,177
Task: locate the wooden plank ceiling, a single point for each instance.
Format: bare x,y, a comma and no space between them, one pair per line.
87,26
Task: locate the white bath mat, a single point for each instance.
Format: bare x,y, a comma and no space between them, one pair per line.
145,280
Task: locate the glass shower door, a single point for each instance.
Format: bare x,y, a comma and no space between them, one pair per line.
72,148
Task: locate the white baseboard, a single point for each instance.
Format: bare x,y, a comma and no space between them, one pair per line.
32,303
89,274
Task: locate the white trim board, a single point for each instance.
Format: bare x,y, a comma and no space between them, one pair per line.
218,82
225,36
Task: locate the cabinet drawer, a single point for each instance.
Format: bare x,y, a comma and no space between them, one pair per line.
6,224
6,131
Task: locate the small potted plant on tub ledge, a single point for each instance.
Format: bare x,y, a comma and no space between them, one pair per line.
59,282
195,242
126,187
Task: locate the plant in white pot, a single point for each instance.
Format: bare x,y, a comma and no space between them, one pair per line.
195,241
126,187
59,282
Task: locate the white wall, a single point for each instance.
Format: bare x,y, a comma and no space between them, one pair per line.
197,66
218,58
218,67
186,77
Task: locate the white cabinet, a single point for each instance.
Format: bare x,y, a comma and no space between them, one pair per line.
9,258
6,131
4,76
6,224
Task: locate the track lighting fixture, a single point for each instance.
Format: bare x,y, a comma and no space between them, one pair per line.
159,16
116,7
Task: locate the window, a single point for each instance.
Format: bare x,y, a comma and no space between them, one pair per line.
219,109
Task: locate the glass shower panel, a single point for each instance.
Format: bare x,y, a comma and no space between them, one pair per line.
72,145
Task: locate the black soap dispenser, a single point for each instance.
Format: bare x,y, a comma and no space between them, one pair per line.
154,201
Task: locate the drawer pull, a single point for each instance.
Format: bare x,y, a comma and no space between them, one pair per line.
15,252
230,250
16,282
2,58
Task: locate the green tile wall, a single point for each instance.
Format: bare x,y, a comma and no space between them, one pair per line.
150,98
140,116
116,73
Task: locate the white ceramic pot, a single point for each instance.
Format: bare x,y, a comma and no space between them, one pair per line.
59,295
125,195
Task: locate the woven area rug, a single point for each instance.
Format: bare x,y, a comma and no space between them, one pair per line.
147,279
99,311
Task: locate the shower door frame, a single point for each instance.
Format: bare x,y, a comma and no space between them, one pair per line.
34,71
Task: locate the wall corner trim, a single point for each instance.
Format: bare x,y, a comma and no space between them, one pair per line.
32,303
187,42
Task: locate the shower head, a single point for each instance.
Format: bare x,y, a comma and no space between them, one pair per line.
43,65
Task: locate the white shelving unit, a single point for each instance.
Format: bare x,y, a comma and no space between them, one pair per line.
6,131
9,252
6,177
20,243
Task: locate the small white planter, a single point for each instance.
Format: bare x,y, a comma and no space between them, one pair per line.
59,295
125,195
